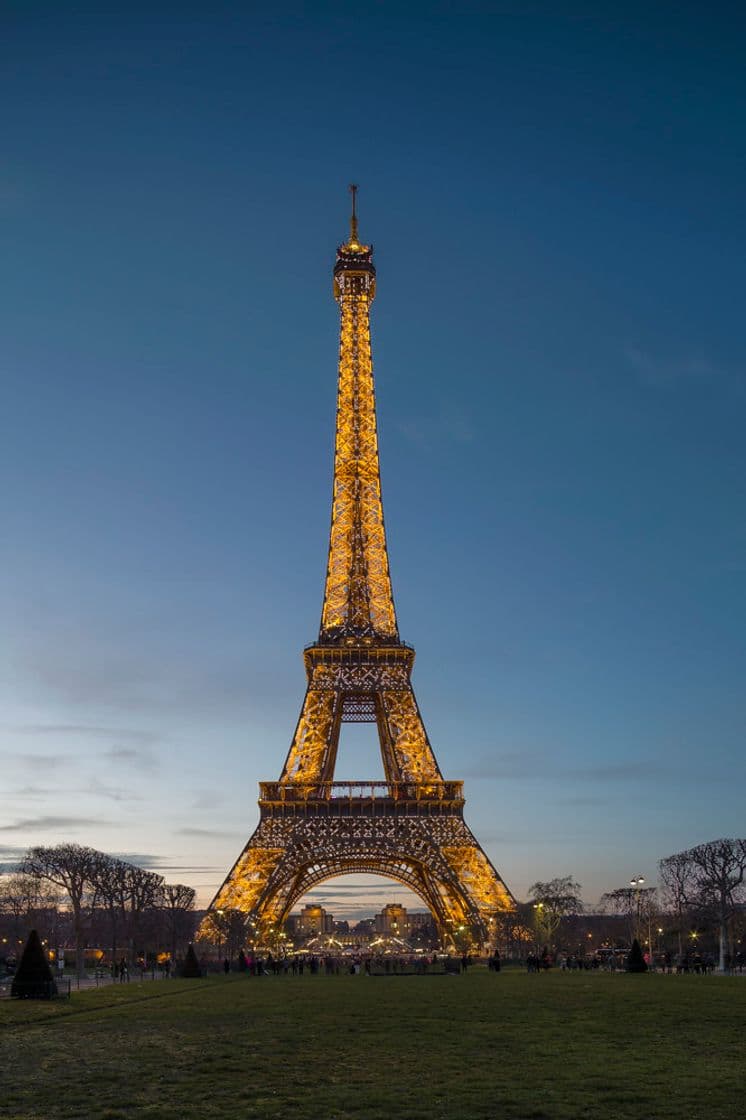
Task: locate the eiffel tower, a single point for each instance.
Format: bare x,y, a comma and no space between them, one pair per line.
410,827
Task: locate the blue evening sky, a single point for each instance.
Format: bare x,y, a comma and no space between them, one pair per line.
555,193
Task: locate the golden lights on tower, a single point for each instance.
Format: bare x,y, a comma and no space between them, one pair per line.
410,827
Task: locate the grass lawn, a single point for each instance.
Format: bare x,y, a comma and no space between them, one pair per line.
501,1047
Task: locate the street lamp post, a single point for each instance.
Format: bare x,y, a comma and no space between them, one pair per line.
538,920
637,885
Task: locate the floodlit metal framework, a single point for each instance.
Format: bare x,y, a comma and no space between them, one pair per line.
409,828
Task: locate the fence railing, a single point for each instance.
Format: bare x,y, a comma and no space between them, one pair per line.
302,792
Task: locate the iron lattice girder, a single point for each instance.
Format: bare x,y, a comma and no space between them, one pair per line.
359,708
359,666
336,798
438,854
374,674
358,600
407,754
409,827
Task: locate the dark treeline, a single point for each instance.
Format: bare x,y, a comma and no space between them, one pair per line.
700,906
78,897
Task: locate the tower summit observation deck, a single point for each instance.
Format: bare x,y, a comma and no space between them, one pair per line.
409,827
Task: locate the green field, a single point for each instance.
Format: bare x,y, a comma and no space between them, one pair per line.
482,1045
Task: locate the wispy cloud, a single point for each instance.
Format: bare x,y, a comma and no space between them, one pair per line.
10,857
140,859
83,730
191,869
165,864
364,904
114,793
96,672
531,766
46,824
344,890
131,757
668,371
206,833
95,788
38,761
30,792
130,746
622,771
208,799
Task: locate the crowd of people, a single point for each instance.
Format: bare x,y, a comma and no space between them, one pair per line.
299,964
616,960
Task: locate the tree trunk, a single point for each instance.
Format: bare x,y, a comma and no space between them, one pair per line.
681,922
723,930
79,947
134,938
113,937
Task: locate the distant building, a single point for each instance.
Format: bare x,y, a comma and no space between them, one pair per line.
393,921
423,933
312,921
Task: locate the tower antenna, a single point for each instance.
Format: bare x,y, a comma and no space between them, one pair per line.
353,219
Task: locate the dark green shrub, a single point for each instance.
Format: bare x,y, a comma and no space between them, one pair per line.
635,960
33,978
190,968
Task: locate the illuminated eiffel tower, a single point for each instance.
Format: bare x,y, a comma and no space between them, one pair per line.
410,827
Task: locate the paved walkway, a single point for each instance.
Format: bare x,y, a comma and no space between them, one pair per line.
83,983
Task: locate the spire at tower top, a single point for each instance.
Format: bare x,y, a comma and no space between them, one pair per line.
354,272
353,217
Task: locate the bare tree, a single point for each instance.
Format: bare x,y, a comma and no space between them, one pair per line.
178,901
20,897
110,878
720,869
636,904
680,887
554,900
70,867
12,905
142,891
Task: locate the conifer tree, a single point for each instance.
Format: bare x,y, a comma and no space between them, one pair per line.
635,960
190,969
33,978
